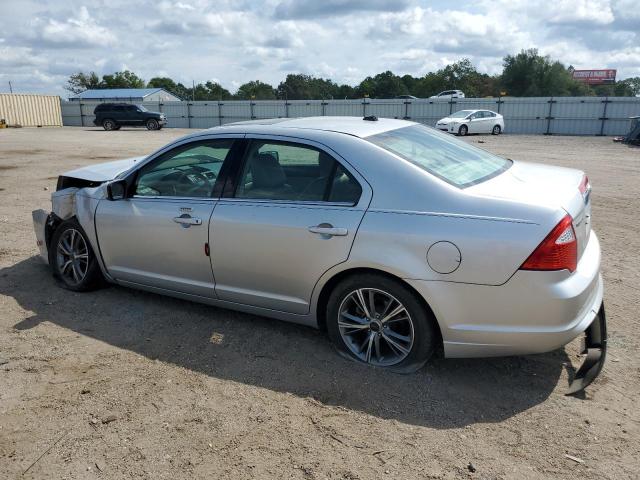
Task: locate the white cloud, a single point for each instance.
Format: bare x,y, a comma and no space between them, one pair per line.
78,31
235,41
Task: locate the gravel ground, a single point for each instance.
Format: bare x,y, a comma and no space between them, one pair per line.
124,384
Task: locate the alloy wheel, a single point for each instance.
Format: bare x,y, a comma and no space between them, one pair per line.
376,327
72,256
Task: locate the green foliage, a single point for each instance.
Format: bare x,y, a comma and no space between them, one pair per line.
124,79
256,90
206,91
79,82
305,87
529,74
383,85
526,74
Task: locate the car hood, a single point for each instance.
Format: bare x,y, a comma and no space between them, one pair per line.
102,172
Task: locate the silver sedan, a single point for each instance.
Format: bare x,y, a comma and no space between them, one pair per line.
397,239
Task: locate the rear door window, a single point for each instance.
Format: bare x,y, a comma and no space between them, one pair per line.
284,171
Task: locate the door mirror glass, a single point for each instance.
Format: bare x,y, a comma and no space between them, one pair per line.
117,190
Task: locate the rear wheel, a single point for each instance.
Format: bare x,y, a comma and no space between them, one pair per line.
153,124
496,130
463,130
72,259
109,124
379,321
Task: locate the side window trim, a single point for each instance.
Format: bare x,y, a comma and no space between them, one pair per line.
230,189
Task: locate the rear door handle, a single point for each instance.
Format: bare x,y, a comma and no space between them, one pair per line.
186,220
329,230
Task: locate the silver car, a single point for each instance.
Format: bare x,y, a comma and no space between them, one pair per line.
396,238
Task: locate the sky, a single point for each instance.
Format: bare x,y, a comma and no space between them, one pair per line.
232,42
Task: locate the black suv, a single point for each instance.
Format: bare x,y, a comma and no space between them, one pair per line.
112,116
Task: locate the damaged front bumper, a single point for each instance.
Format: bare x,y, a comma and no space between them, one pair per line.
595,348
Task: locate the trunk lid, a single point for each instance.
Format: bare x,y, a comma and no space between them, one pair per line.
554,187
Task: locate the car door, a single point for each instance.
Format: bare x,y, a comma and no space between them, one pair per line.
486,122
134,115
120,114
491,120
158,236
475,123
290,215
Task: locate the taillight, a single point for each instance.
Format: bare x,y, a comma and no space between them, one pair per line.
558,251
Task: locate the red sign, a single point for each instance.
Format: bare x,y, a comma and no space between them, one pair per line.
595,77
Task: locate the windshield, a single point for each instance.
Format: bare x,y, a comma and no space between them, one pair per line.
461,114
449,159
142,109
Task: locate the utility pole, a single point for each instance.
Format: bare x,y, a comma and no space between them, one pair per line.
193,91
10,87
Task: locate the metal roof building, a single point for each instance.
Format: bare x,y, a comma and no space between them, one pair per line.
126,95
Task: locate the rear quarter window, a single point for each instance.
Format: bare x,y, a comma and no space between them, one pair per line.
452,160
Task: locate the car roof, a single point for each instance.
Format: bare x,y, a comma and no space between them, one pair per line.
356,126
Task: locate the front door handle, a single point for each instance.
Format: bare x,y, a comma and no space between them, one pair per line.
329,230
187,220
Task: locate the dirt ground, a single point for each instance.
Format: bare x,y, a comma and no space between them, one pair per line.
124,384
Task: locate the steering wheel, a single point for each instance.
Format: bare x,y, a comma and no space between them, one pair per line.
191,178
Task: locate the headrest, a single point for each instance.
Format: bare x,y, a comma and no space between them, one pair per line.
266,171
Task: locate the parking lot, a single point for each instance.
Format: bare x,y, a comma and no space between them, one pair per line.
125,384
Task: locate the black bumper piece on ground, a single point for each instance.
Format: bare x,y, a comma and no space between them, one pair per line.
595,347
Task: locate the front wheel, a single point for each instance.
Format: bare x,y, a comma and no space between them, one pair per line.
109,125
496,130
379,321
72,259
153,124
463,130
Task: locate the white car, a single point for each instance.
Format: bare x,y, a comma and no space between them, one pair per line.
449,94
472,121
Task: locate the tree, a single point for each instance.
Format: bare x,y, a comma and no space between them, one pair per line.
124,79
79,82
383,85
178,89
256,90
306,87
216,91
529,74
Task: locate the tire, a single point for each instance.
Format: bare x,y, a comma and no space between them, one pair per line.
365,338
496,130
109,124
152,124
463,130
81,273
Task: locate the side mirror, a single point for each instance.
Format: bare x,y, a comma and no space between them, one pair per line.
117,190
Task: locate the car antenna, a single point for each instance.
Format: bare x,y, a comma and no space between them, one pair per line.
371,118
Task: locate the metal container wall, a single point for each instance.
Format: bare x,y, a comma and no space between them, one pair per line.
306,108
534,115
30,110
